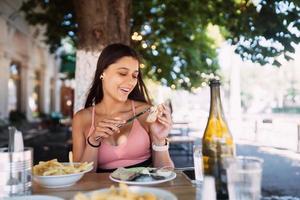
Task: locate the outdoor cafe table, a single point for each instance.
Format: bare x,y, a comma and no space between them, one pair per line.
180,186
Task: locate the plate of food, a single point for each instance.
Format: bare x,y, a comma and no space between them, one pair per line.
142,175
34,197
54,174
125,192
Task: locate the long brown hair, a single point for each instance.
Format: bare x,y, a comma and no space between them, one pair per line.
108,56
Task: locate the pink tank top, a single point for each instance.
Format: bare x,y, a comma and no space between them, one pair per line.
135,150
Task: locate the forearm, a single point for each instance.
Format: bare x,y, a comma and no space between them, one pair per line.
162,159
89,154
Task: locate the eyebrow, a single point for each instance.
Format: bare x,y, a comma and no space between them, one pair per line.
127,69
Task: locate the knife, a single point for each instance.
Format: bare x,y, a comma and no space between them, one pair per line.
134,117
129,120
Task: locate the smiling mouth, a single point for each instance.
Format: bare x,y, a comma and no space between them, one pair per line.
125,90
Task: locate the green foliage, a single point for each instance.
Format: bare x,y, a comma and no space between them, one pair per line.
68,65
183,48
58,17
265,31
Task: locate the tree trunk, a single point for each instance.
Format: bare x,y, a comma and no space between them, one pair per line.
100,22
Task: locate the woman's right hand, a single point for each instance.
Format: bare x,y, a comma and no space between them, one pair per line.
105,128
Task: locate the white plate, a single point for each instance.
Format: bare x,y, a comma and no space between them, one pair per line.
34,197
149,181
60,181
159,193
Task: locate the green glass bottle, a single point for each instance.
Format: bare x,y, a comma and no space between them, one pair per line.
217,142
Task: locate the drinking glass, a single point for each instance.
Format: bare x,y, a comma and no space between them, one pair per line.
198,161
244,178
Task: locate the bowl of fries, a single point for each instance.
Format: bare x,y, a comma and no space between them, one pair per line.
53,174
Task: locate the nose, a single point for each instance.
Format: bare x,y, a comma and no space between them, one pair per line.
132,81
131,78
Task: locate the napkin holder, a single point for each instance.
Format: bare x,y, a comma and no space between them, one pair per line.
15,167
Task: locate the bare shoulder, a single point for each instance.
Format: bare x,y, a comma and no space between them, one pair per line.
83,116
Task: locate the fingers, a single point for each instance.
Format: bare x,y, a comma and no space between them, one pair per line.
107,127
112,124
165,122
165,112
104,131
166,107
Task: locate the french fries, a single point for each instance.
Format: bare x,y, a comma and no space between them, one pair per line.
71,158
121,193
53,167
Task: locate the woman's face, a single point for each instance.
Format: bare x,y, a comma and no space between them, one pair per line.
120,78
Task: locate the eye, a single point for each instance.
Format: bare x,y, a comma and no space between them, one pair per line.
135,76
122,74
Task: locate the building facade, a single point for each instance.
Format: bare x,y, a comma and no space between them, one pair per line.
29,81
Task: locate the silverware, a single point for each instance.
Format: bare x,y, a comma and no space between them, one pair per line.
11,138
11,148
15,172
134,117
129,120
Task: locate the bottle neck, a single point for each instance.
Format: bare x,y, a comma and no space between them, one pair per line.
216,109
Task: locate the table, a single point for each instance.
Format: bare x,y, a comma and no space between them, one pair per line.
180,186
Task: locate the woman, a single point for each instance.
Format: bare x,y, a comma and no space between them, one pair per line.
100,134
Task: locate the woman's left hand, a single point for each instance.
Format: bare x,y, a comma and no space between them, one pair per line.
159,130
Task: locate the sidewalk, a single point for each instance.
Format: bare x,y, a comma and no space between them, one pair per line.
281,171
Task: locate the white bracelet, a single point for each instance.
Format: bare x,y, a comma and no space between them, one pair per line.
161,148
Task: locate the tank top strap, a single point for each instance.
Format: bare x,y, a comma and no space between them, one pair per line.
133,108
93,121
93,116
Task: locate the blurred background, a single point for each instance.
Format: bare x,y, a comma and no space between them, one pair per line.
48,51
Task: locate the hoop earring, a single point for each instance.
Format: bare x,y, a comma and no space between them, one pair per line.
101,76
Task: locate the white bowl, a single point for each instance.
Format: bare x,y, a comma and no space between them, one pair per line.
59,181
